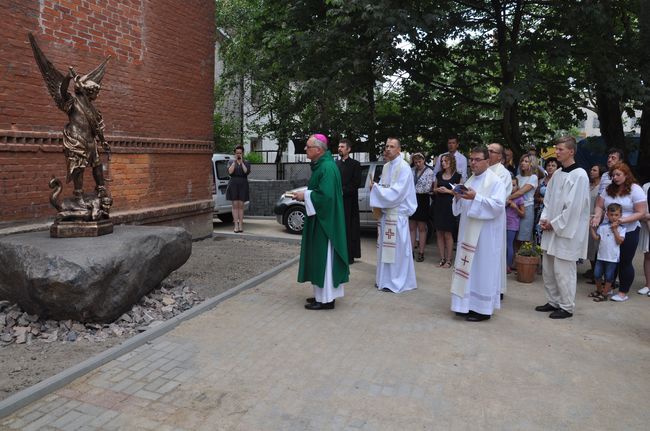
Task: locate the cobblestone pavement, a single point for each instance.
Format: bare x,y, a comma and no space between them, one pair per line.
379,361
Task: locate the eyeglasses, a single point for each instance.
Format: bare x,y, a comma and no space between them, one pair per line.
474,160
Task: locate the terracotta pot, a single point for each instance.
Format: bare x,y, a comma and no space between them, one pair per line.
526,268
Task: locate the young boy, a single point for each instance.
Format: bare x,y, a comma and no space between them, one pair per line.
611,235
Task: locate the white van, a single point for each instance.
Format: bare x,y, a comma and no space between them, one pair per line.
220,178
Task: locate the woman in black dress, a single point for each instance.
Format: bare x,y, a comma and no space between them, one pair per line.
237,190
443,218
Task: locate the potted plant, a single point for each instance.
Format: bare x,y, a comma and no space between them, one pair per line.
527,260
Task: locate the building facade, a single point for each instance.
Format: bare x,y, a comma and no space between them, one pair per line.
156,101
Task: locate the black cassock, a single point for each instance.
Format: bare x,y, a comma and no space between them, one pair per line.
351,180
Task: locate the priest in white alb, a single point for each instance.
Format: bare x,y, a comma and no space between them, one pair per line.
478,273
496,158
395,196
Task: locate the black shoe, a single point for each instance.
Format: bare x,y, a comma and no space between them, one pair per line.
312,300
351,261
459,314
385,289
477,317
501,297
320,306
546,307
560,314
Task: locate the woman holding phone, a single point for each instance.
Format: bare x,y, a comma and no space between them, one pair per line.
237,190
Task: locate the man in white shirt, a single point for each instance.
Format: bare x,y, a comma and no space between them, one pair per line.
614,155
564,234
461,161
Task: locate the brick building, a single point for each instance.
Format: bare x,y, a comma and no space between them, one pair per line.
156,100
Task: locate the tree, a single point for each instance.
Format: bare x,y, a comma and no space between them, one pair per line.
314,65
491,65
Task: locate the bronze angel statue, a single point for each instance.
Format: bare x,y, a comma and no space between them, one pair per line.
81,137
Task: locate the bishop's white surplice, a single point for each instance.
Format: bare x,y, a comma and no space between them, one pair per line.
480,265
328,292
395,195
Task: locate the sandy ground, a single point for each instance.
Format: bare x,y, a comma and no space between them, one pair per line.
216,265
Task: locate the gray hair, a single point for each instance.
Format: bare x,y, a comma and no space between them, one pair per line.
322,145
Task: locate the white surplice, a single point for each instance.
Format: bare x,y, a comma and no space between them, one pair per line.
566,207
485,275
506,178
398,193
328,292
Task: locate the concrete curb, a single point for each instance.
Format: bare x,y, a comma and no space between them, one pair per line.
296,240
39,390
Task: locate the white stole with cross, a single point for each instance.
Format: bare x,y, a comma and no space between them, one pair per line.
389,235
467,245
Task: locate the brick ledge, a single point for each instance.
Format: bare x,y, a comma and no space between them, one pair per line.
31,141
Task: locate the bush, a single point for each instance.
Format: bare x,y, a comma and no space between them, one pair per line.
254,157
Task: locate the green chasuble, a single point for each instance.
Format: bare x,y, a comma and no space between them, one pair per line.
327,224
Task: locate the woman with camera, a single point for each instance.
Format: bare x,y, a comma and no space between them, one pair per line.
237,190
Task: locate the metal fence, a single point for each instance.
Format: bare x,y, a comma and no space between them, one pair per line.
283,171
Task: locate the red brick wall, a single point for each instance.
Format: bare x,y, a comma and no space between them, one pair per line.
157,98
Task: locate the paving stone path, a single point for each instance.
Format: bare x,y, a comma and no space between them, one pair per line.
379,361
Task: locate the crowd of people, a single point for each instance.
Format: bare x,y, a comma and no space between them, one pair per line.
483,208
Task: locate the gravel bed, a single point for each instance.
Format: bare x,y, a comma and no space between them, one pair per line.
33,349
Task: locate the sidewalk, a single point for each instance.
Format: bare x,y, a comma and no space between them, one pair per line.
379,361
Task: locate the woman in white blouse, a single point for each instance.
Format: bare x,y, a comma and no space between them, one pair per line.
423,178
528,181
624,191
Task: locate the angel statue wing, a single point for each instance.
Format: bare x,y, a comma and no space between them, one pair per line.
52,77
97,74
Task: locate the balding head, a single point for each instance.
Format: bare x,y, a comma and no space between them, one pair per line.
495,151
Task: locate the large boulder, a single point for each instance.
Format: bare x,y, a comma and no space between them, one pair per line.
88,279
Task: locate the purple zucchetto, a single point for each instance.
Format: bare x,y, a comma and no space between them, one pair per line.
320,137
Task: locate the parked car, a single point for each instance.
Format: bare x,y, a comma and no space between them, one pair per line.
291,213
220,178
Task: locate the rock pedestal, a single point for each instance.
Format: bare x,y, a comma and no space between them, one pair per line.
88,279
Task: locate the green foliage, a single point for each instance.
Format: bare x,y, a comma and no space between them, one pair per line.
254,157
226,134
510,71
529,249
